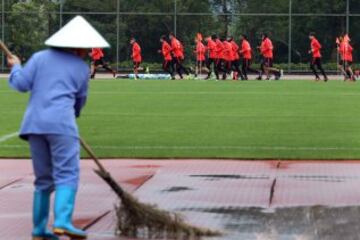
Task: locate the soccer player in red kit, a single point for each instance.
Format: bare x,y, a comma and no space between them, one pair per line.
178,53
200,51
136,56
266,50
228,57
346,50
97,57
236,60
166,49
339,42
219,56
246,53
212,56
316,57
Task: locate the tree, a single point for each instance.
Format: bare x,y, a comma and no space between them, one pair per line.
30,23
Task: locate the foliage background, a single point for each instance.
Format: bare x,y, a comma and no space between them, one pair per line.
26,24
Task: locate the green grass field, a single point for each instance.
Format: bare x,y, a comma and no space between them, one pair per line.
209,119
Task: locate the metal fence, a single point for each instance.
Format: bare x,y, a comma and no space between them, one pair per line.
287,21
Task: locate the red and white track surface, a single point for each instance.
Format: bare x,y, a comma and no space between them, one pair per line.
243,199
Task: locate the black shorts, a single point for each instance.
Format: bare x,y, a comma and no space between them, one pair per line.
136,64
267,62
315,61
246,62
99,62
345,63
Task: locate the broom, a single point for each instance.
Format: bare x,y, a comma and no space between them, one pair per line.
135,218
4,48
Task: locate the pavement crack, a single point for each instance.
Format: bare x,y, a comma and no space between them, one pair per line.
10,183
273,185
272,191
96,220
142,184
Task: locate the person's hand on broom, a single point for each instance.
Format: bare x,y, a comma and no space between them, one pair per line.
13,60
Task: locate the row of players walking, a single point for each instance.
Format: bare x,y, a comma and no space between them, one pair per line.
223,57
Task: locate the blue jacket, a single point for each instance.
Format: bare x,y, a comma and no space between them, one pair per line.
58,84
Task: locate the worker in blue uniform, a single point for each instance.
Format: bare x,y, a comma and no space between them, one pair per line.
57,79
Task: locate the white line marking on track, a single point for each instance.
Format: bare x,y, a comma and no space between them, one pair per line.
8,136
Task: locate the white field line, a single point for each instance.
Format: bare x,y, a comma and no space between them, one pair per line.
256,117
8,136
266,148
225,93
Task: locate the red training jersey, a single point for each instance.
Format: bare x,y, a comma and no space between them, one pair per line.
235,49
136,52
166,51
177,48
340,49
219,49
228,53
97,53
315,48
246,49
345,50
266,48
211,46
200,51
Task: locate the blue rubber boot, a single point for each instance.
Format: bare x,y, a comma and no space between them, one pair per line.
41,206
63,209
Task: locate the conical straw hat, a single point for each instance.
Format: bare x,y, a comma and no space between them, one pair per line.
78,33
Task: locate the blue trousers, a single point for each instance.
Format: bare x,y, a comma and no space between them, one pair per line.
56,161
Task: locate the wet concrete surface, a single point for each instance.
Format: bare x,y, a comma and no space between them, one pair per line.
261,200
297,223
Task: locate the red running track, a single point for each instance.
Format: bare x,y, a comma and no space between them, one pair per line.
185,186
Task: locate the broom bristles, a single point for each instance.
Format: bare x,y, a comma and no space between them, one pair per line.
134,217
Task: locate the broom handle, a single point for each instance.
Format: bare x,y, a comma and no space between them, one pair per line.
92,155
105,175
4,48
